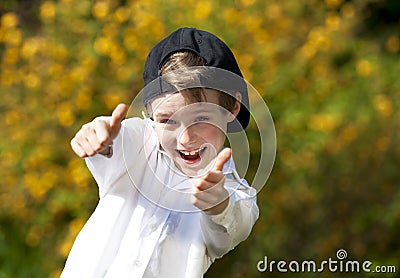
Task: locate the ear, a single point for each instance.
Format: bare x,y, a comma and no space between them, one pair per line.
232,115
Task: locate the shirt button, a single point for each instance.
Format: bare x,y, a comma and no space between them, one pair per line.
137,263
153,227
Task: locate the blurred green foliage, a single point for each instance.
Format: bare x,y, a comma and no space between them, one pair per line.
328,70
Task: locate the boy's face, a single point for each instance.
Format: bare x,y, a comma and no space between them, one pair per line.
191,134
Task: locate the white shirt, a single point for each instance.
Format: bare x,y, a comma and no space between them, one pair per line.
144,224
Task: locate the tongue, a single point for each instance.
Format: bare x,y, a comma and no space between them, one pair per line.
190,157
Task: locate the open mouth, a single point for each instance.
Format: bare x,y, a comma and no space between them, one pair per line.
193,156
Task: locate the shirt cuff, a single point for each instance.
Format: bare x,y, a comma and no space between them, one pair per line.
225,218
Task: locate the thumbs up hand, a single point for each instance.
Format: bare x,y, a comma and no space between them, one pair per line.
210,194
97,136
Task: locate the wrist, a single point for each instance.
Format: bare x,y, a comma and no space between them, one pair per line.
220,208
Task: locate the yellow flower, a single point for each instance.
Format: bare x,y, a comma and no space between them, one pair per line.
11,56
113,98
100,10
83,100
74,227
323,122
30,47
47,11
78,74
9,20
333,22
59,52
364,68
252,23
202,10
273,11
102,45
247,3
65,114
124,73
7,78
347,10
333,3
383,105
79,173
110,30
130,38
10,158
67,2
308,50
117,54
13,37
31,81
121,14
33,184
55,69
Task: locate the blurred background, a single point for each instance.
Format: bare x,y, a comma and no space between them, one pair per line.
328,71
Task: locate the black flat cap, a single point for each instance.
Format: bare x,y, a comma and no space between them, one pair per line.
214,52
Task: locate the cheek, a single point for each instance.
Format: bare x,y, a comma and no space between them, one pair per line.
214,135
166,138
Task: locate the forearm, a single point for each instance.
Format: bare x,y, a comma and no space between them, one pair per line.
225,231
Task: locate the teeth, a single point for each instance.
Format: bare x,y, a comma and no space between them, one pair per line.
192,152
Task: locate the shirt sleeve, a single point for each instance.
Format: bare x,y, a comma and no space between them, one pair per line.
108,169
225,231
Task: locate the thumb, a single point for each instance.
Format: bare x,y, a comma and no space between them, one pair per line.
222,158
117,116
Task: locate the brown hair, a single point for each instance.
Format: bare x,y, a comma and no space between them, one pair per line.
184,59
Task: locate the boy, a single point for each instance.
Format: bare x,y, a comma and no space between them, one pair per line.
171,201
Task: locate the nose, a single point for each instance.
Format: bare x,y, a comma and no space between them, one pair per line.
187,137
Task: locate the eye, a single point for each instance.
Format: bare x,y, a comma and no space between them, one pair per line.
167,121
202,119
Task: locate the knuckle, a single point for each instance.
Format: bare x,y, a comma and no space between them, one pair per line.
101,119
81,154
196,194
79,137
98,147
194,200
197,183
87,127
208,176
72,142
91,153
104,140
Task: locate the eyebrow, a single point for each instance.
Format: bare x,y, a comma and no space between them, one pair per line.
162,114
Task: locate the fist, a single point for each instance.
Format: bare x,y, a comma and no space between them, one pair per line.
97,136
210,194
